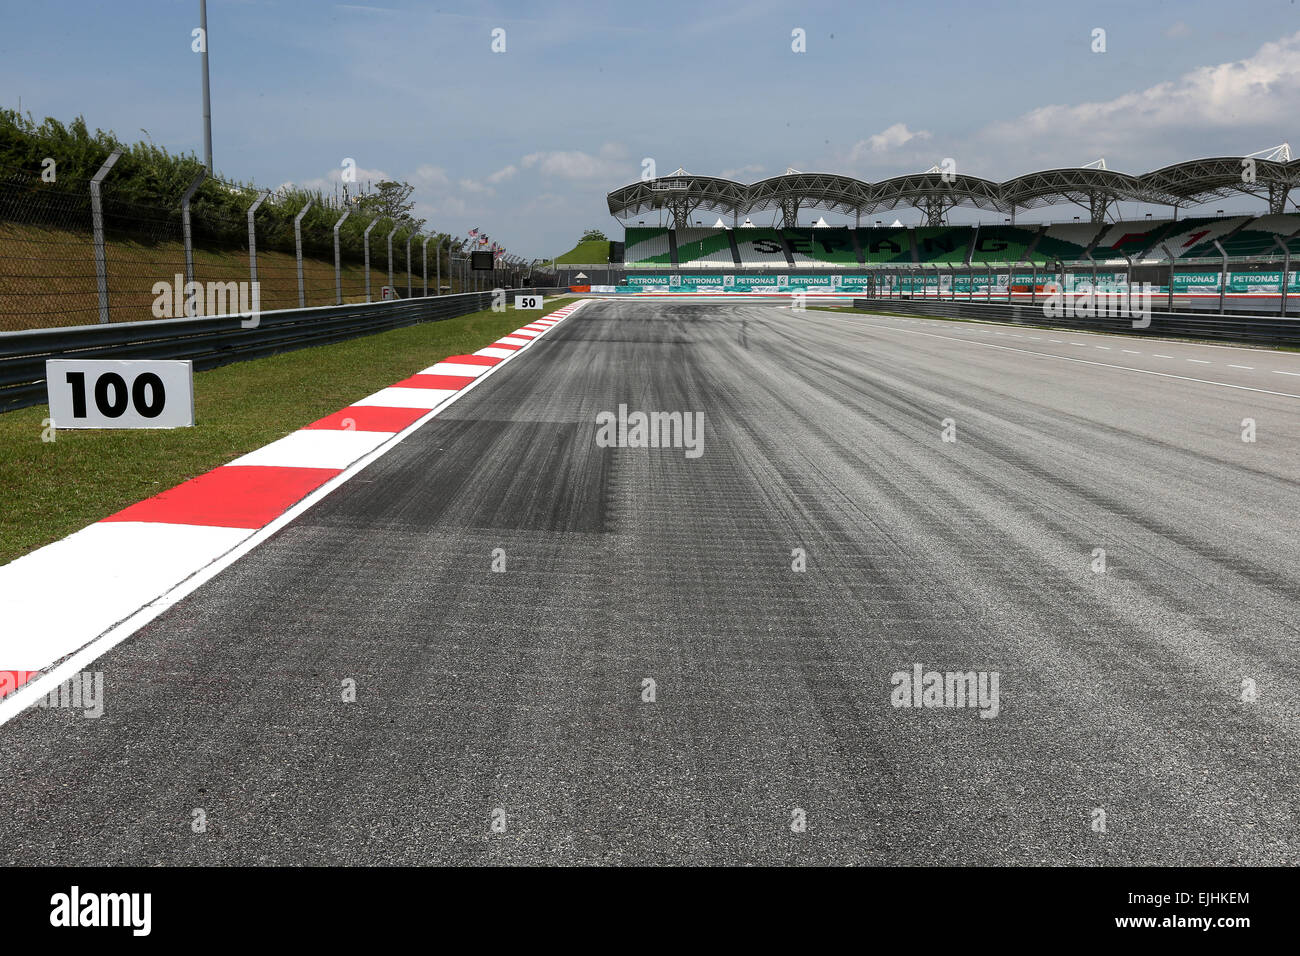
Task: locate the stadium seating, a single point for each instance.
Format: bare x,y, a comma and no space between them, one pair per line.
1253,239
1002,244
1066,241
760,246
821,246
1129,238
647,247
947,245
1185,234
703,248
993,245
886,244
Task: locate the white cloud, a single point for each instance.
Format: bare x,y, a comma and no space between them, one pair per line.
609,163
741,172
430,177
546,203
501,175
1179,29
445,206
886,140
363,8
1258,93
327,182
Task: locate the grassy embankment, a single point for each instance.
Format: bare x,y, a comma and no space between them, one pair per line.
51,489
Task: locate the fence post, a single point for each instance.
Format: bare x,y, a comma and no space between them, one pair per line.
424,259
187,235
1223,274
408,263
365,236
391,287
338,265
97,224
437,265
1172,257
252,237
297,248
1286,269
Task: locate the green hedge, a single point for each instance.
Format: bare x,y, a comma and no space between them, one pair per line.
147,183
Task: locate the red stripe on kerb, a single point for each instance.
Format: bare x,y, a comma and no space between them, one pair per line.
472,359
370,418
504,345
233,496
10,681
435,381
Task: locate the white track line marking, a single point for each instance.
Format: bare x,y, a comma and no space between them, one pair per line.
1277,371
97,647
1200,361
1109,335
1122,368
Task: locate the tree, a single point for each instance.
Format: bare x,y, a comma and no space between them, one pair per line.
594,235
391,200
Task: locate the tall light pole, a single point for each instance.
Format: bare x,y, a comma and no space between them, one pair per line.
207,93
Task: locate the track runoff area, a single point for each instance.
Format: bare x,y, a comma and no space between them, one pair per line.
658,582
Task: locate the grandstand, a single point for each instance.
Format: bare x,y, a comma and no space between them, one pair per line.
1128,239
1102,239
1243,238
1189,234
826,245
1255,238
1002,245
886,245
648,247
760,248
946,245
1067,241
704,248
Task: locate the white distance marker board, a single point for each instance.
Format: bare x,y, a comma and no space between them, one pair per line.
98,393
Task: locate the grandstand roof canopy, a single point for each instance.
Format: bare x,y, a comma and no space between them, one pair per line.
935,192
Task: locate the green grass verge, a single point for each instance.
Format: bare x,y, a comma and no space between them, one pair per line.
53,488
593,251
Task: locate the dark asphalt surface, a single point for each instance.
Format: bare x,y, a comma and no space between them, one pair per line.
522,690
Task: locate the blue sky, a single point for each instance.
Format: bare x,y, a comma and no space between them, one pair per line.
526,143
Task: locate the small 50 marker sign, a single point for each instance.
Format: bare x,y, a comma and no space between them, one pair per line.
91,393
529,301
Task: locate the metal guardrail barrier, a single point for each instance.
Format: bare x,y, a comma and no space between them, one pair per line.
213,341
1261,330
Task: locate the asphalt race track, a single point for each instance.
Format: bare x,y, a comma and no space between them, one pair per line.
1120,692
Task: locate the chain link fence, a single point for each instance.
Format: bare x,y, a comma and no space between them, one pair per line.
55,271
